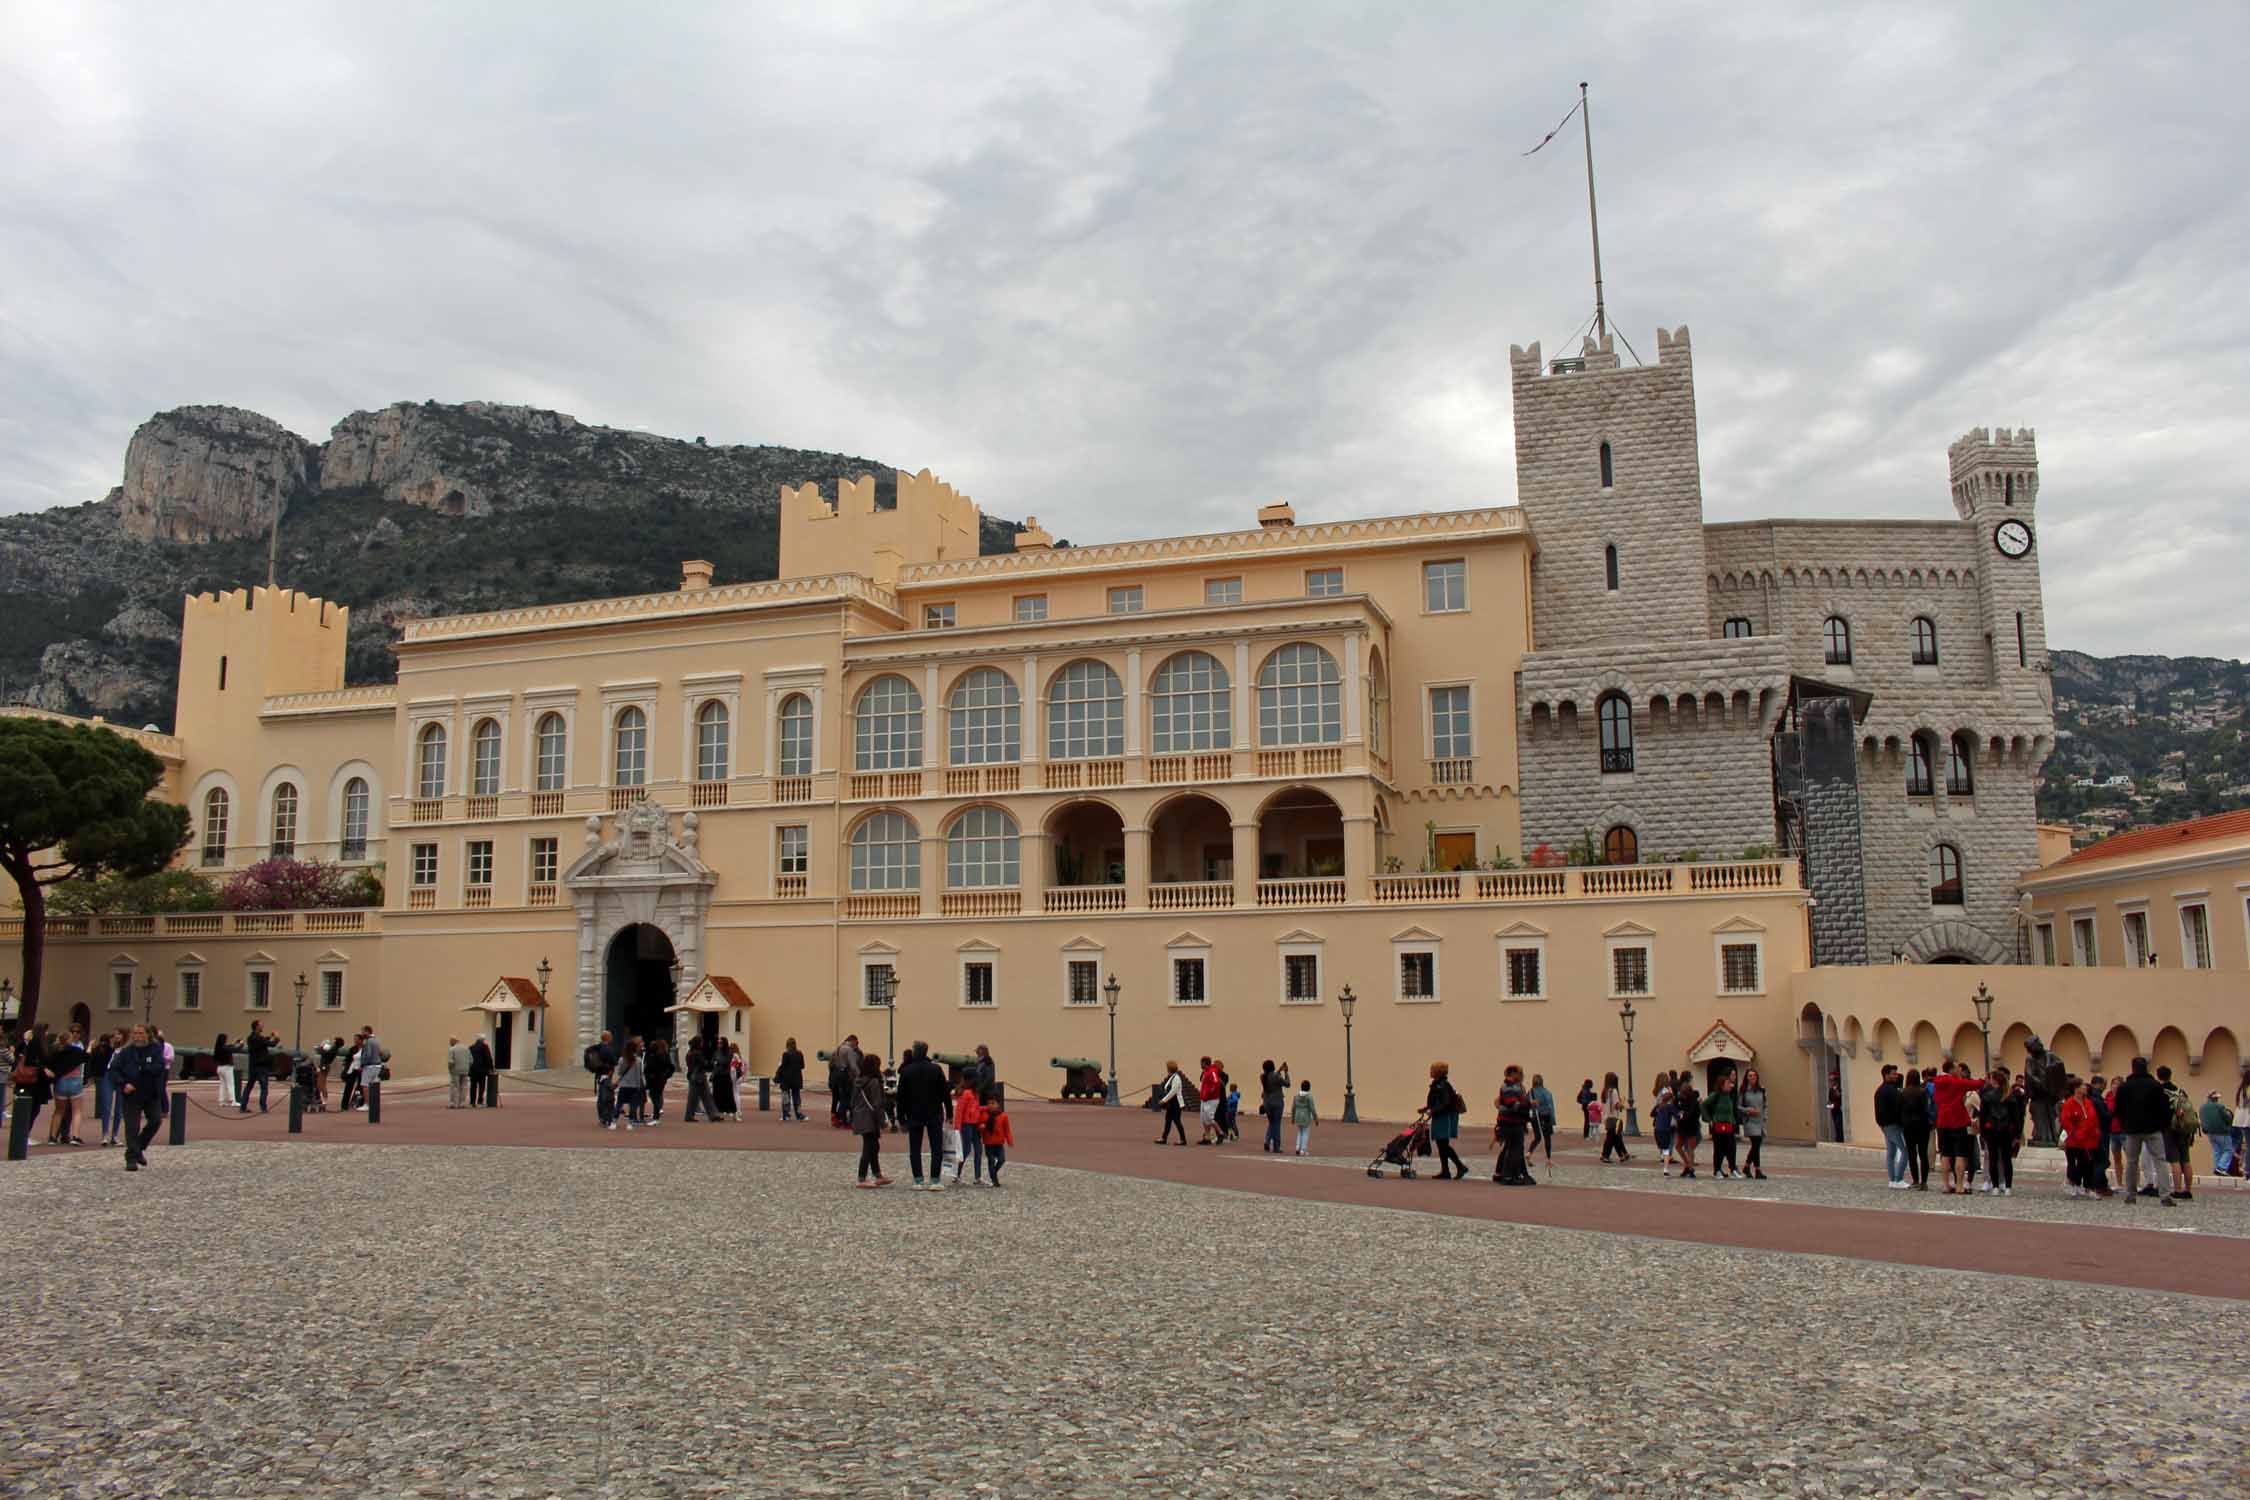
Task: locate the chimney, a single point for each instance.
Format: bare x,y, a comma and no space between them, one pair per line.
1033,537
695,576
1279,513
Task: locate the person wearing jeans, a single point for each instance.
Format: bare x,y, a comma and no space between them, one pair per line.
922,1105
1887,1119
2143,1112
789,1077
1304,1113
1173,1097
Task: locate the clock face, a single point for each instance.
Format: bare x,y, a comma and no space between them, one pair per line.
2013,538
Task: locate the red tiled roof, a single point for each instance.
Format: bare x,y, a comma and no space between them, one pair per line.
734,994
2158,840
526,993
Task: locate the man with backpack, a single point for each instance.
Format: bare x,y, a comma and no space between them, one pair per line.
2179,1135
601,1061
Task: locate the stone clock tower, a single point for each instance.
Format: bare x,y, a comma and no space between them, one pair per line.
1995,477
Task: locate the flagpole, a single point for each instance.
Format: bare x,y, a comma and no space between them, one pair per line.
1601,315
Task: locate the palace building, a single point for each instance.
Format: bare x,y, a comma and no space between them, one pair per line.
1500,770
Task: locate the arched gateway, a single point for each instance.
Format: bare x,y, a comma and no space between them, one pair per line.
641,896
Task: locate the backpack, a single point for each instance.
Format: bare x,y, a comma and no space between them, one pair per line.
2184,1122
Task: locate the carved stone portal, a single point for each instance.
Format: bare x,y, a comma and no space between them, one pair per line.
638,873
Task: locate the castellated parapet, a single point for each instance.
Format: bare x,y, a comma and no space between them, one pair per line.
1993,468
932,522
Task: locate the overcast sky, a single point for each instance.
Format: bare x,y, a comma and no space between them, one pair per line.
1137,268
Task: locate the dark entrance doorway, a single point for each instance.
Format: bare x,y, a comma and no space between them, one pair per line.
83,1018
638,985
503,1039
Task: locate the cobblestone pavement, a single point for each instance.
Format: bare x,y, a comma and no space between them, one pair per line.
260,1319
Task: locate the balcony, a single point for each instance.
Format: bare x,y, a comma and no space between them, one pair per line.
546,804
1453,770
622,797
542,893
1310,890
1077,775
974,781
1076,900
1200,766
425,809
996,903
483,805
421,898
1191,895
1617,762
885,905
1589,882
792,789
204,924
789,887
477,897
707,794
883,785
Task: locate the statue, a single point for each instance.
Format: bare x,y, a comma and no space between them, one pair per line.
2044,1082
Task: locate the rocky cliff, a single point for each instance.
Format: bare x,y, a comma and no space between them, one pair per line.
408,510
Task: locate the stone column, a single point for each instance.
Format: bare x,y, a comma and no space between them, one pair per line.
1359,857
1245,865
1245,707
1133,702
1355,689
1031,860
1136,867
933,722
933,869
1034,718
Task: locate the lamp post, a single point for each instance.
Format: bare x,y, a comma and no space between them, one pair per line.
1983,1003
1625,1018
1345,1003
148,1001
299,987
1110,993
545,971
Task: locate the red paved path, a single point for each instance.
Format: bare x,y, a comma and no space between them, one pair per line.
1117,1141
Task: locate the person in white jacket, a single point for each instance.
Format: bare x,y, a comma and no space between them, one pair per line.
1173,1096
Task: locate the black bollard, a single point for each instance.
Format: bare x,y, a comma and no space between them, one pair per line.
296,1109
19,1129
374,1101
179,1117
765,1095
492,1089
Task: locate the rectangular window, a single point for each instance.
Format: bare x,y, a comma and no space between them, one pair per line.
2195,937
546,859
1300,979
1125,601
191,989
1030,607
1737,628
1083,982
1628,970
425,864
793,851
1450,736
1187,981
480,862
2136,940
121,990
1445,586
2046,953
2023,655
1525,976
261,989
976,983
874,980
1738,968
331,989
937,617
1417,975
1324,583
1222,591
2082,942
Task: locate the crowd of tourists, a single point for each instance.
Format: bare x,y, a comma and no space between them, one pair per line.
51,1072
630,1080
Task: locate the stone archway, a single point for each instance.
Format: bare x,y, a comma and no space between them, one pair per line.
1956,941
639,875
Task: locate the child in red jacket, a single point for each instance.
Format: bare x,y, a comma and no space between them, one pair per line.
999,1135
968,1117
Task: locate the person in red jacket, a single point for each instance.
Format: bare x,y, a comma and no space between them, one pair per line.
968,1117
999,1135
2082,1143
1208,1092
1950,1091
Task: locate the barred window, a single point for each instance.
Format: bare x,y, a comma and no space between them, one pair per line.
191,989
1525,979
261,989
1187,982
1300,978
887,729
1083,977
713,731
976,983
875,984
1190,704
331,989
484,759
629,763
554,744
886,854
981,850
1300,697
796,736
1085,712
1628,970
1738,968
984,719
429,764
1417,975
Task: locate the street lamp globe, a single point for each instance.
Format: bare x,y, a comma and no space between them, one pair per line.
545,971
1984,1006
1110,993
1346,1001
1626,1017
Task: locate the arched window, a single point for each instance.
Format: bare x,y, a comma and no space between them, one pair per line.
484,759
1190,705
1836,636
1085,712
554,748
795,738
1960,767
712,732
886,854
628,761
1615,712
1621,846
285,821
354,846
1300,697
984,719
215,809
1925,641
1919,782
1738,628
887,729
1945,876
981,850
429,762
1609,565
1609,467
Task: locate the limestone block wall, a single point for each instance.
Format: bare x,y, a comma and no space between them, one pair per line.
1996,831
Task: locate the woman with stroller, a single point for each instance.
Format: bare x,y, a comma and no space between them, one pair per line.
1446,1106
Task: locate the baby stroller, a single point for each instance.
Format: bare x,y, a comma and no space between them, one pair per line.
1401,1149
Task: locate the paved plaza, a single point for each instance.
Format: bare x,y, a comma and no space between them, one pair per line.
256,1317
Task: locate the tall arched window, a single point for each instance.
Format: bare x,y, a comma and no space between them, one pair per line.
795,737
628,762
1378,701
1945,876
215,810
712,734
1609,466
1621,846
887,728
1919,781
1836,638
1085,712
1609,566
1615,713
354,845
284,821
1960,766
886,854
429,762
554,754
1925,641
1300,697
1191,706
983,719
981,850
484,759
